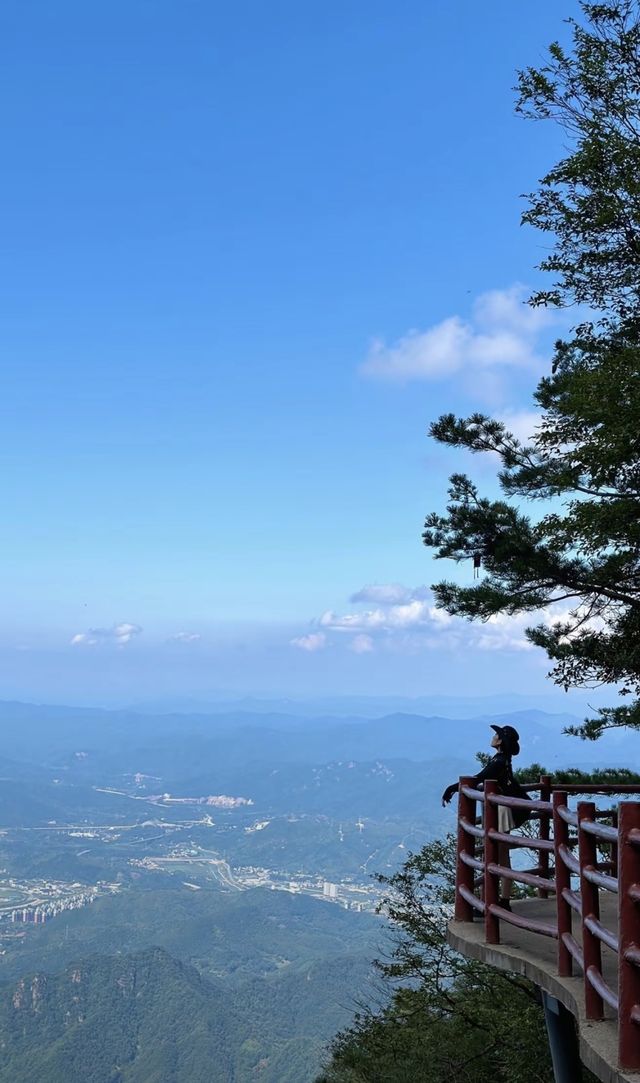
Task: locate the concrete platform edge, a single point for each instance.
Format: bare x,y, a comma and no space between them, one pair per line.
598,1041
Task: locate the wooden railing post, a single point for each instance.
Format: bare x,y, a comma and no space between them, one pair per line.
545,823
491,850
628,936
588,855
466,845
563,881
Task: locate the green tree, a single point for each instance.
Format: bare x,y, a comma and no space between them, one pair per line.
582,548
590,201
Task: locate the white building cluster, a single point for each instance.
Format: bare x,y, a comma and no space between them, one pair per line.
42,912
220,800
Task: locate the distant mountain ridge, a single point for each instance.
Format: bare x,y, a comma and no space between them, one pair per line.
365,707
176,746
448,706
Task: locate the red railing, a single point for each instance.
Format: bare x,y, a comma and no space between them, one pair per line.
590,857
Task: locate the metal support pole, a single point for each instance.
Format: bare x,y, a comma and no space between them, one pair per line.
563,1042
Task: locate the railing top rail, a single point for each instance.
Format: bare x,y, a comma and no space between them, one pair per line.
519,802
468,791
570,788
568,815
574,788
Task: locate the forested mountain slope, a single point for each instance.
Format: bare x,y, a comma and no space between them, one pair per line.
148,1018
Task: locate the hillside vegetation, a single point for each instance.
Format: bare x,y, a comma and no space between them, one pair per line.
148,1018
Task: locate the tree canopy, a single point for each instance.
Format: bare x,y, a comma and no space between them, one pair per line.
581,549
590,201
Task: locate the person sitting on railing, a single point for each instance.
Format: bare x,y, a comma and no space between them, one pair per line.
506,743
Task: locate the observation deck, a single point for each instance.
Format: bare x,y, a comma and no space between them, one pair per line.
578,936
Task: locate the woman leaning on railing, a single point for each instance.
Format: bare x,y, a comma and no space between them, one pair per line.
506,744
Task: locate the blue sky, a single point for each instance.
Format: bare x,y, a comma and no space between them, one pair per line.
249,252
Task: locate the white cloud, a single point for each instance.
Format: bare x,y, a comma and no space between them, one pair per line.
185,637
502,331
118,634
410,614
508,308
502,632
361,644
521,423
406,621
125,632
353,622
388,594
314,641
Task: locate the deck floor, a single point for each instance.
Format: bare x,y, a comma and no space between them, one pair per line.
535,957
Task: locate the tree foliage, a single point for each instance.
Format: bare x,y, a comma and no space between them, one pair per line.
581,549
590,200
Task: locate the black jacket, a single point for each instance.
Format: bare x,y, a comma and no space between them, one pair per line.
498,768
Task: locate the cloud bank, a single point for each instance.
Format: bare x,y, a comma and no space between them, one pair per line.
118,634
314,641
501,332
394,618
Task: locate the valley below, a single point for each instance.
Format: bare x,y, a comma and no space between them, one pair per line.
230,858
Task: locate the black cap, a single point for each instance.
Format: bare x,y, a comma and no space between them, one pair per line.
510,739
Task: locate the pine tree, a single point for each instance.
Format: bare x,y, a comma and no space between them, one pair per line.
583,548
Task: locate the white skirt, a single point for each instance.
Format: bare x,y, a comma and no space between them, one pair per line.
506,822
